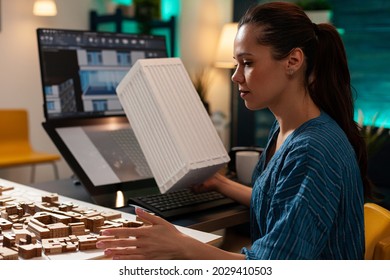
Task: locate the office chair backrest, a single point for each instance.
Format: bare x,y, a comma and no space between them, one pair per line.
377,231
14,131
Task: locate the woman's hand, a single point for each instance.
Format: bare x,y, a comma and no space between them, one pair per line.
218,182
214,183
159,240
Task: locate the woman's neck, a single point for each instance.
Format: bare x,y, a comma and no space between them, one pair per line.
293,115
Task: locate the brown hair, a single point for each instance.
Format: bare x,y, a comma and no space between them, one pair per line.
285,26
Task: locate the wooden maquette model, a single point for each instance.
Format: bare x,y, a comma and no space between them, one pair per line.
29,229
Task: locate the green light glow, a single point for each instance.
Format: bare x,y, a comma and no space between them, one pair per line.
170,8
123,2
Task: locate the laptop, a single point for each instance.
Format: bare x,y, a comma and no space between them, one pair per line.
80,71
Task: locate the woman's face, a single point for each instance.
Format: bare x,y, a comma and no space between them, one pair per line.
261,79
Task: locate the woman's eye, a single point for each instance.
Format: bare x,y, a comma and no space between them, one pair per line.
247,63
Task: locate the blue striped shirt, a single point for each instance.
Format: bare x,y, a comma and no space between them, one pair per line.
307,203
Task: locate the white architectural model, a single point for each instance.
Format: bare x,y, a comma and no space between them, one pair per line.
171,124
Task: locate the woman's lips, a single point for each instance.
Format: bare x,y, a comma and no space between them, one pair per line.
243,93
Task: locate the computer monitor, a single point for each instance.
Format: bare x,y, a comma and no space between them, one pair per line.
83,116
81,69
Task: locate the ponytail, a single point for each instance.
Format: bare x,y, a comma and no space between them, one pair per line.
330,89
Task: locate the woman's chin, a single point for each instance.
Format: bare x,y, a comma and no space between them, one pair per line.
253,107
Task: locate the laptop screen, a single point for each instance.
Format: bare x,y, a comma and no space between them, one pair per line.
80,71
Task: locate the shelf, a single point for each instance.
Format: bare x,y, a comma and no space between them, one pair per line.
118,18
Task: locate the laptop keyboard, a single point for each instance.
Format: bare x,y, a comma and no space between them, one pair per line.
182,202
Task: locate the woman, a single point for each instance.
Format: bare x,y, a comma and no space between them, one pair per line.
307,196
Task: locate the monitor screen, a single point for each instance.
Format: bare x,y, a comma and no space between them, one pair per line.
105,157
81,69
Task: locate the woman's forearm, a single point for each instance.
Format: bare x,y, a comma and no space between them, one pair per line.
238,192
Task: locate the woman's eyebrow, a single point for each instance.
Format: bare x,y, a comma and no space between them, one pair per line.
242,54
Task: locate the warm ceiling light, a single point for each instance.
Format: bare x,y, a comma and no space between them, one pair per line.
45,8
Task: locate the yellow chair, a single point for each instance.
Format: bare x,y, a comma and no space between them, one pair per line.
377,231
15,147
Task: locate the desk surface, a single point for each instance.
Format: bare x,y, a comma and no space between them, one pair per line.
13,193
210,220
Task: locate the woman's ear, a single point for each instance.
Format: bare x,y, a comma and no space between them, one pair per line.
294,61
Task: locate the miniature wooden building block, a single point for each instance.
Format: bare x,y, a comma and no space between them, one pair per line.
31,238
23,234
3,214
14,218
4,200
94,223
30,251
9,240
65,207
22,241
5,224
28,208
59,245
58,230
87,242
91,214
8,254
17,226
39,229
11,210
43,217
60,218
51,198
51,218
5,188
52,246
110,215
77,229
76,217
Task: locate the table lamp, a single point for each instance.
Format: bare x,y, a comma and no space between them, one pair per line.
224,55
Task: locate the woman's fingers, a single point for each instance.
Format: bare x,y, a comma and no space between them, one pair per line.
148,218
127,253
157,239
111,243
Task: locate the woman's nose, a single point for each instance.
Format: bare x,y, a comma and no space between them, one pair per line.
237,77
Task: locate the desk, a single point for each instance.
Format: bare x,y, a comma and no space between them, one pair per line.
19,202
209,221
